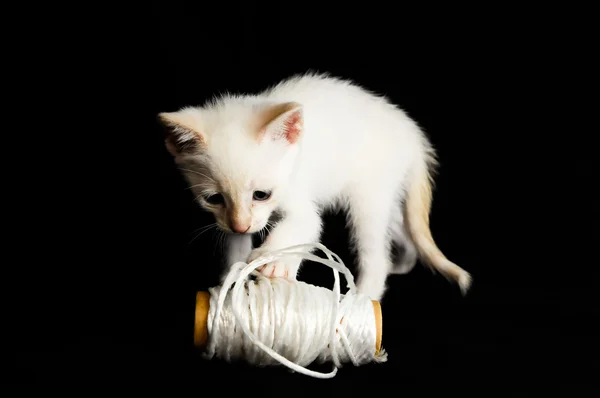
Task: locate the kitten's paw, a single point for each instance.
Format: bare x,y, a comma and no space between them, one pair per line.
278,269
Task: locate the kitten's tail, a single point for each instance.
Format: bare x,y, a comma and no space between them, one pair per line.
416,216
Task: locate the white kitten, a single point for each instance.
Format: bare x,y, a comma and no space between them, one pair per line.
309,144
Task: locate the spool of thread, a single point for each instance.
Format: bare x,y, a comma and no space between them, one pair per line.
257,318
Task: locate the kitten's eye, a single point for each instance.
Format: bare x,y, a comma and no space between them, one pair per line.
216,199
261,195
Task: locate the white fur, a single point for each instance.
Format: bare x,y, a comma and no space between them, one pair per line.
356,152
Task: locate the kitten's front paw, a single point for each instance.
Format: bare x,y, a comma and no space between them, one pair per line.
280,268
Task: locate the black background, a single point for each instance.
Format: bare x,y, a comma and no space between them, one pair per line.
109,270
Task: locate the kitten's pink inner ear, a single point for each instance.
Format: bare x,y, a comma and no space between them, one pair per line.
282,121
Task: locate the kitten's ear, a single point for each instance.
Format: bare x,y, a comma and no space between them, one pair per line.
284,120
182,135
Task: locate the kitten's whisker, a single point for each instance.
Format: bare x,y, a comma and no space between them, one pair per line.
196,198
194,186
205,226
217,238
203,230
196,172
269,227
220,242
223,242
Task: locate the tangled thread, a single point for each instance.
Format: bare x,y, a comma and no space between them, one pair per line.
268,321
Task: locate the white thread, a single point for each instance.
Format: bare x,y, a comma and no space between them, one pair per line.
293,323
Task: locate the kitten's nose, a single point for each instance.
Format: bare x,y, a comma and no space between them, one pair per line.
240,228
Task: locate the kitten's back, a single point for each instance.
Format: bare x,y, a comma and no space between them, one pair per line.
357,125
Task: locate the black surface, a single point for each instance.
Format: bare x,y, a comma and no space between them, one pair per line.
107,273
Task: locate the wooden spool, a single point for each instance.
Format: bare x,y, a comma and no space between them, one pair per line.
203,306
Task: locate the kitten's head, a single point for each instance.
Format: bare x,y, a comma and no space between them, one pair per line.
237,158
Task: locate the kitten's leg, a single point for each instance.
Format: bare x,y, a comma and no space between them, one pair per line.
300,225
238,248
369,216
407,253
